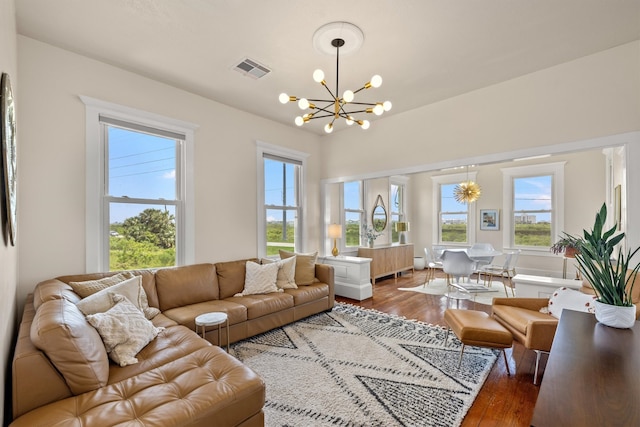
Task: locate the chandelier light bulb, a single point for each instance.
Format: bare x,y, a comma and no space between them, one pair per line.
365,124
387,105
284,98
318,76
328,128
349,120
378,109
299,121
303,104
376,81
348,96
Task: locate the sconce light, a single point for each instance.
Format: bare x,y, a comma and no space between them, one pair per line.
402,228
335,232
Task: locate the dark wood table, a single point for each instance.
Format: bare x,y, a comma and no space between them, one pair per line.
592,376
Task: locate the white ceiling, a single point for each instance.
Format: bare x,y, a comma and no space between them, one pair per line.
425,50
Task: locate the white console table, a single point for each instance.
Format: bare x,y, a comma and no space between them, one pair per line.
352,276
540,286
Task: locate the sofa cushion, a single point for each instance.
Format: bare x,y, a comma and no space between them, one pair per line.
571,299
305,266
306,294
131,288
262,305
519,318
53,289
61,331
231,277
90,287
260,279
186,315
124,330
180,286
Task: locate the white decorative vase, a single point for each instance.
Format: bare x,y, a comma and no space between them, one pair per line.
615,316
371,243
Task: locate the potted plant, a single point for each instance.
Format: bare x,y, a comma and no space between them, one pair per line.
369,234
567,244
611,279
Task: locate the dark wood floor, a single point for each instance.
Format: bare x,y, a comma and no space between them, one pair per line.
503,400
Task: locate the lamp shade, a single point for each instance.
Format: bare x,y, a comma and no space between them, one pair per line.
402,226
335,231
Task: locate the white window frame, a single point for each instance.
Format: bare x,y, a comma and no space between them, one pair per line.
557,199
263,148
96,203
457,178
361,212
401,183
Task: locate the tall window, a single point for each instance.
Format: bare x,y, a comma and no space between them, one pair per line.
397,209
141,194
533,205
139,188
353,212
455,221
280,184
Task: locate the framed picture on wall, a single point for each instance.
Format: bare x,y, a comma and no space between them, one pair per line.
489,219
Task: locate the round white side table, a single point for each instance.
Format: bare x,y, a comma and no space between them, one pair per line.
213,319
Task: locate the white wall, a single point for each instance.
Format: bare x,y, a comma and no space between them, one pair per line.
594,96
8,253
52,132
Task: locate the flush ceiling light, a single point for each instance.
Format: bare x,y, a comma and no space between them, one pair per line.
337,35
467,191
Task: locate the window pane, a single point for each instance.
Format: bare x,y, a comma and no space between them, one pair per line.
141,165
453,216
279,183
141,236
454,227
395,237
352,195
396,198
352,233
532,203
281,230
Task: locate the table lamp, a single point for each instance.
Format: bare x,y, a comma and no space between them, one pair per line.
402,228
335,232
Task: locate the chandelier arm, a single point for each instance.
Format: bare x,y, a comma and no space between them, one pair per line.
320,117
355,112
366,103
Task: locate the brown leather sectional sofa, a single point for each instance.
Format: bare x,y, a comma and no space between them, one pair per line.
180,379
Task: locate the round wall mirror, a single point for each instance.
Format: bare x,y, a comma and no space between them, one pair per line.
379,215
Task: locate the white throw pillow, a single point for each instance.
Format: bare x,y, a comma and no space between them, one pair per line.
132,289
286,272
124,330
260,279
573,300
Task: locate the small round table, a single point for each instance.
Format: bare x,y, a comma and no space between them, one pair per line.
213,319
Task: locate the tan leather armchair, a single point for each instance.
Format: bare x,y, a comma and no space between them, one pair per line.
522,317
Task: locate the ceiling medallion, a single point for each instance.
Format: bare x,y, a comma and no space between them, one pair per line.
349,38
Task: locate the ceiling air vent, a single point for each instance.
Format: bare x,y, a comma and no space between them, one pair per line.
251,69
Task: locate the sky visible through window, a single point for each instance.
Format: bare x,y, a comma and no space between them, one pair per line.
279,181
140,166
533,194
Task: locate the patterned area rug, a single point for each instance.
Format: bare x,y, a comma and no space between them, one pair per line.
356,367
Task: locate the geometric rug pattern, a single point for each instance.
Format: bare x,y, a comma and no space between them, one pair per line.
358,367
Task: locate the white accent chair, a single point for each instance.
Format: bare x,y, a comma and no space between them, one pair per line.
481,262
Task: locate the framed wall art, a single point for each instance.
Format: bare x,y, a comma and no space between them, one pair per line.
489,219
8,135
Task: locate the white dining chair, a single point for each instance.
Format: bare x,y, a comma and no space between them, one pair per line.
505,271
458,265
481,262
431,265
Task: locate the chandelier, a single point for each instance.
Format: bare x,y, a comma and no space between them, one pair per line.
337,107
467,191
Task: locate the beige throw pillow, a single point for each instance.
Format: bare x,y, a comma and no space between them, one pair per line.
131,288
286,272
260,279
90,287
124,330
305,266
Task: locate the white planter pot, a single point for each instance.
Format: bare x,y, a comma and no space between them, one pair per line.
418,263
615,316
